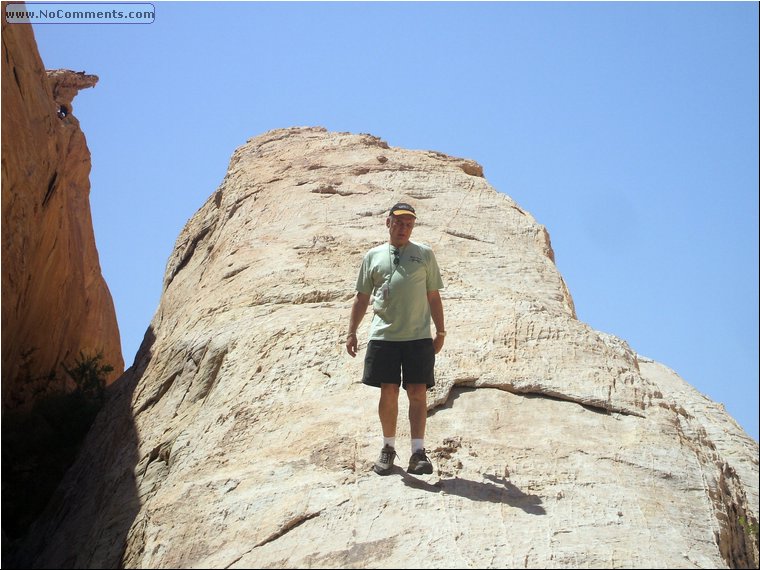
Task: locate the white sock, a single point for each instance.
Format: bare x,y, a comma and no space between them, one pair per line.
390,441
417,444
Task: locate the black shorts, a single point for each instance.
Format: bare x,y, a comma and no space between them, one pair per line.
386,359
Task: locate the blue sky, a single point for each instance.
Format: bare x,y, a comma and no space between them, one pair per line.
630,130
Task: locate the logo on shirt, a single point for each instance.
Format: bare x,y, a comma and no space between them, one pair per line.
415,258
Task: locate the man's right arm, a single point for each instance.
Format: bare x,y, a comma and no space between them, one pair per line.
358,310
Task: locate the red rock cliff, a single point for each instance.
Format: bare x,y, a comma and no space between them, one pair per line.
55,302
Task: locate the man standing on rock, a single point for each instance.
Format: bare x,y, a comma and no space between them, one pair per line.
404,281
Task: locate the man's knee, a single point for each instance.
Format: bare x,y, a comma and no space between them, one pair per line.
416,392
389,390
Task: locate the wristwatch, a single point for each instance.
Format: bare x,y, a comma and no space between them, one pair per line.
440,333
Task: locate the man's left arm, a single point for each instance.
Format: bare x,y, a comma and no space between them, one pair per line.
436,313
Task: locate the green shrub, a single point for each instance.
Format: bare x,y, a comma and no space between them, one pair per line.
89,376
748,526
40,444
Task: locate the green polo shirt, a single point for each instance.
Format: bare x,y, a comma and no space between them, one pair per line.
403,313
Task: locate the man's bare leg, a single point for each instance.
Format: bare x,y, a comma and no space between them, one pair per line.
417,394
419,463
388,409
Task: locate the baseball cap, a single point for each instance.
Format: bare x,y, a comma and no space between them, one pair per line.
401,209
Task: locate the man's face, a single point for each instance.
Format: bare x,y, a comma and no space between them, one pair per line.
400,229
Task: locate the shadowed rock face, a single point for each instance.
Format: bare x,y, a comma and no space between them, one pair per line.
242,436
55,302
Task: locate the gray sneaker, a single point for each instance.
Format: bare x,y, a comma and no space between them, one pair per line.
384,463
419,464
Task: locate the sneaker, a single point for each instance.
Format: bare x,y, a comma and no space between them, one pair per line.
384,463
419,464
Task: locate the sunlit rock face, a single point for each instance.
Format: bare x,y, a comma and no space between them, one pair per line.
243,438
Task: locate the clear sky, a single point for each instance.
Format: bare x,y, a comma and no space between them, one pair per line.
630,130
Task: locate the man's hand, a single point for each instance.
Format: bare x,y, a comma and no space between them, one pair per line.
438,343
361,302
352,345
436,313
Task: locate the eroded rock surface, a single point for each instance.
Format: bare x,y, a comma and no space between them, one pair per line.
243,438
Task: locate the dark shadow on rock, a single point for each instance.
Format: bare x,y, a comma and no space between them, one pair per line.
456,391
87,521
497,491
531,504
